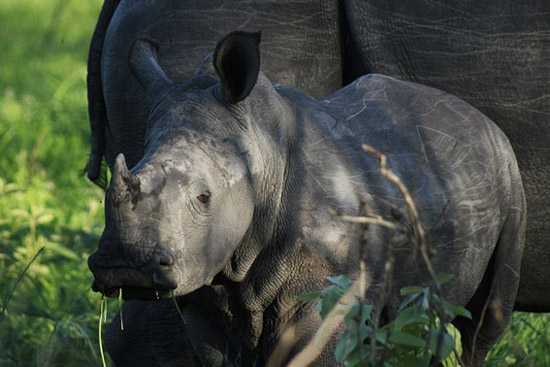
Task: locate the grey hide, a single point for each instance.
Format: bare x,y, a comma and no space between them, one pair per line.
491,53
296,33
494,54
230,207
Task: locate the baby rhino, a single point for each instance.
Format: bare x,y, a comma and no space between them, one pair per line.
232,210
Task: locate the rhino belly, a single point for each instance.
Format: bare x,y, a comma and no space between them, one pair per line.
494,55
300,47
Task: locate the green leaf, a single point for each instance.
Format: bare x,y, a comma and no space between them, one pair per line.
425,301
357,357
329,298
455,310
406,339
342,348
382,336
447,343
408,300
310,296
414,360
410,290
366,313
408,316
341,281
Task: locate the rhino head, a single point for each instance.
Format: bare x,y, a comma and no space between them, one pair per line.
175,219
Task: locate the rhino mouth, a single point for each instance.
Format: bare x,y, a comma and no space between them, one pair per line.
155,280
134,284
130,293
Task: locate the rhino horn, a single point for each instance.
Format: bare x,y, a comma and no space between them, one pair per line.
123,181
143,62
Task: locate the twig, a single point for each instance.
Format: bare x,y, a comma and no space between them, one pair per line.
283,348
377,220
419,232
412,211
329,325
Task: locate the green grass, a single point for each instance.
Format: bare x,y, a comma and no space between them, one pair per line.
45,202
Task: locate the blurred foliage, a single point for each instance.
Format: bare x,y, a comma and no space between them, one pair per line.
45,201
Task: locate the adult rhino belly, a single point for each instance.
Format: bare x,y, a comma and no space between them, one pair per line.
495,55
300,47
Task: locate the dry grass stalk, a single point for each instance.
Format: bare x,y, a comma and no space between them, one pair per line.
377,220
283,348
412,211
330,324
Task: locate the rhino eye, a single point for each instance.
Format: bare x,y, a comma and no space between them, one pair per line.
204,197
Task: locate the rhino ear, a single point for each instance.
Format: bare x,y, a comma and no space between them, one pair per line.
144,65
237,63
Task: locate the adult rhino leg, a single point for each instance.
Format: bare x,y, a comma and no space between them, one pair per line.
154,335
97,111
493,302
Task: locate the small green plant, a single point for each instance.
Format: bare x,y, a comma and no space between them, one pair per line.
417,336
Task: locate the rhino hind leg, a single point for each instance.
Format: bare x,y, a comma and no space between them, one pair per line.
493,302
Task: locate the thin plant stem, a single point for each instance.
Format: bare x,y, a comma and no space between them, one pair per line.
328,327
120,309
101,318
16,284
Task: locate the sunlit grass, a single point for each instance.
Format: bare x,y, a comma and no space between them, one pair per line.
44,200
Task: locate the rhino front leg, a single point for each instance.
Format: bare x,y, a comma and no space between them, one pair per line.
154,336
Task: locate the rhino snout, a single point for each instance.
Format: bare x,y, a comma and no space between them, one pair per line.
157,278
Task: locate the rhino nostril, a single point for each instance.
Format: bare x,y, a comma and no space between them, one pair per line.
165,258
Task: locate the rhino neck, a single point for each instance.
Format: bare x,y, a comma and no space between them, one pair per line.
267,142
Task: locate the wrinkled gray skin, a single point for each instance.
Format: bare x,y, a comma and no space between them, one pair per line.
295,33
490,53
493,54
230,208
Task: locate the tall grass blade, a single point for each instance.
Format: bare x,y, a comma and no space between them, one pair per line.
10,294
120,309
102,313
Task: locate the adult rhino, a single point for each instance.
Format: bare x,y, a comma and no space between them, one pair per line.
491,53
231,206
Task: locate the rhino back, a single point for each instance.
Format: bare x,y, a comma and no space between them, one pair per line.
457,164
493,54
300,47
